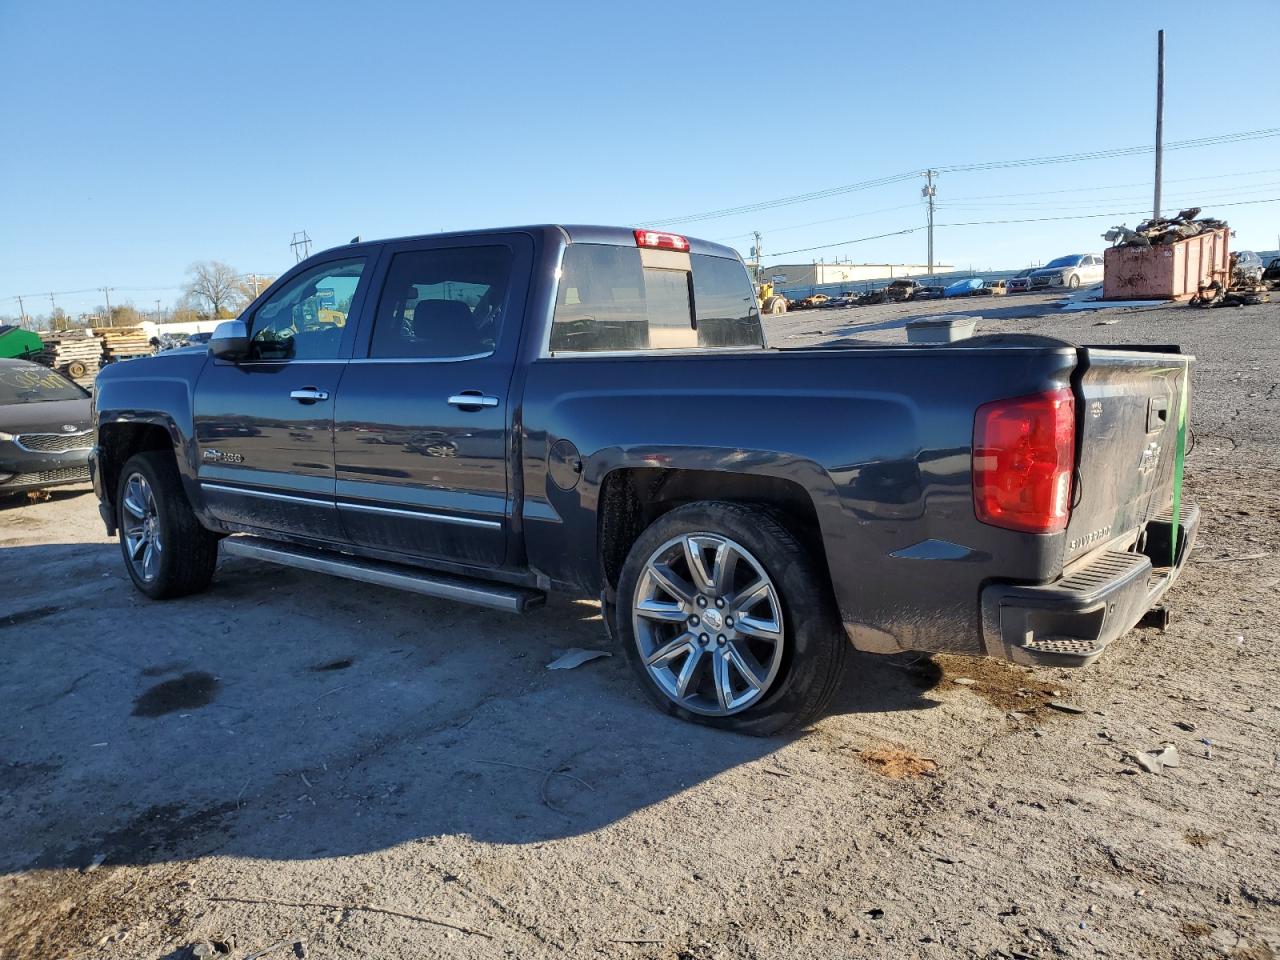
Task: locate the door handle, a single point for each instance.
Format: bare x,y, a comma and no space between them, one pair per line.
472,398
308,395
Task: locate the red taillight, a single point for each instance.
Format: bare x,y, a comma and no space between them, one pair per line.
661,241
1023,455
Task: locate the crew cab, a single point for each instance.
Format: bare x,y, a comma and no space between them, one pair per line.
490,416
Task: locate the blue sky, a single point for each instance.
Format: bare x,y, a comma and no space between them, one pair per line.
140,137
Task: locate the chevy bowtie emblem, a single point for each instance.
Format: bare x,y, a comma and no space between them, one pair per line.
68,428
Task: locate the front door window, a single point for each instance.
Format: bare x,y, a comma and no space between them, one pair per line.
305,319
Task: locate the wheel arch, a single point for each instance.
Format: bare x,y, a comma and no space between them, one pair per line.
120,439
633,497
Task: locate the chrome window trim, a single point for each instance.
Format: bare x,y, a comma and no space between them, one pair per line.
273,363
651,352
422,515
470,356
249,492
549,315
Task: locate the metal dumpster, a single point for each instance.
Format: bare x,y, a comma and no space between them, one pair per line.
1166,271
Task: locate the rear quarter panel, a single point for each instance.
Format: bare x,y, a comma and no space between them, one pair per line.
879,439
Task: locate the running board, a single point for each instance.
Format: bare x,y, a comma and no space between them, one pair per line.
481,593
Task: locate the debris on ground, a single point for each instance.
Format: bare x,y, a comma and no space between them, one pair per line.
898,763
1155,761
1213,294
576,657
1066,707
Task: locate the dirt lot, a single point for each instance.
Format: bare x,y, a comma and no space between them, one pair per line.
333,770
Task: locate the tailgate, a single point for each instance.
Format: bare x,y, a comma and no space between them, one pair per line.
1128,403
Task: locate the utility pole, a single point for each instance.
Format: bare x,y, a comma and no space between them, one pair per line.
157,311
106,293
1159,117
756,250
929,191
22,314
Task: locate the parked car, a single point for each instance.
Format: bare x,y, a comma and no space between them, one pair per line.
900,291
1072,271
1020,282
1272,274
967,287
928,293
46,428
617,426
842,300
996,288
1246,267
815,300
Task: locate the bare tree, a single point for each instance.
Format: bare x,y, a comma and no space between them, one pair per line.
214,285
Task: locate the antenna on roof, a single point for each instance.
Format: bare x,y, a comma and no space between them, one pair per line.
355,239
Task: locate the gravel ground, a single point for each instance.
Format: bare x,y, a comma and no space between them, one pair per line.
331,770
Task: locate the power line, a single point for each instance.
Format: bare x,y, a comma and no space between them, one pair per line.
786,201
983,223
1203,198
1105,154
955,202
815,223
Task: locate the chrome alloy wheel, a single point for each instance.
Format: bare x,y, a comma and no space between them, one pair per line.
141,527
708,624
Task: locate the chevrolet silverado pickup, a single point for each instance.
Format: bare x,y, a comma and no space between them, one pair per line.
490,416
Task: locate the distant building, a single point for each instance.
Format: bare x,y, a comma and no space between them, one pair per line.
788,275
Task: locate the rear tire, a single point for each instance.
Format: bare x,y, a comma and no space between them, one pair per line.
692,658
166,551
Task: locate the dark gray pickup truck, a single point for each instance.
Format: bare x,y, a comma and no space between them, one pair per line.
490,416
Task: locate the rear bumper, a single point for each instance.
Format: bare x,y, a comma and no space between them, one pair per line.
1069,623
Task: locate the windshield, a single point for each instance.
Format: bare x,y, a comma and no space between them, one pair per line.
1070,261
34,384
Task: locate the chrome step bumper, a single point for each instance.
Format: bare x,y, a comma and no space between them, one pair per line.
1069,623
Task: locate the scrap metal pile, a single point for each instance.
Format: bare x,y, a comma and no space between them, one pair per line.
1161,230
1245,288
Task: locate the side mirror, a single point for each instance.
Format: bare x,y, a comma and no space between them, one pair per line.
230,341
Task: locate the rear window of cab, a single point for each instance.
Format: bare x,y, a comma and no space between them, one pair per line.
614,298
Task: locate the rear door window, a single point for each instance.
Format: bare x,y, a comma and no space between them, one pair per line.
443,303
613,298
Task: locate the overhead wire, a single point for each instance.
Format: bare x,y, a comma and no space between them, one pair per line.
984,223
965,168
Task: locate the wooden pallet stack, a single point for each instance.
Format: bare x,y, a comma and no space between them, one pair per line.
122,342
76,353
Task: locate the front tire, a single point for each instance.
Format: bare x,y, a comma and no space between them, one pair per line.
728,620
1073,281
166,551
